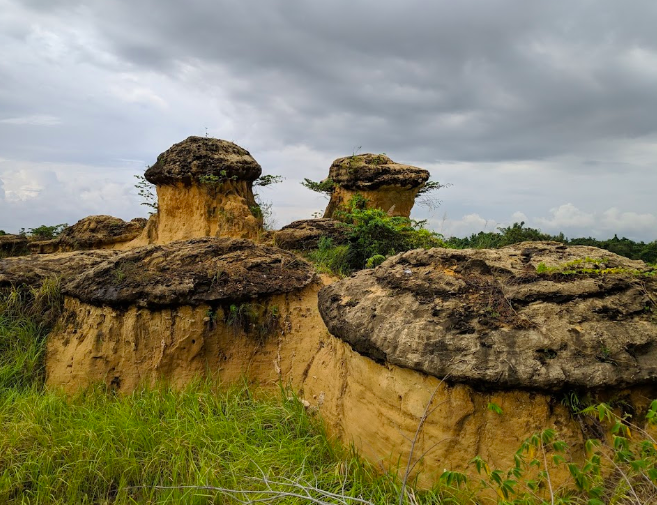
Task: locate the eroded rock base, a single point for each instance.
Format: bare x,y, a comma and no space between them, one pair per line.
227,209
394,200
374,406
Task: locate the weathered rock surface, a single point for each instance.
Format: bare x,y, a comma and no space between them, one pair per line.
192,272
13,245
32,270
375,407
373,171
205,189
305,234
488,319
93,232
385,184
197,157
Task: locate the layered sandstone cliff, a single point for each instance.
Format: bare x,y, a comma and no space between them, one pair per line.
446,332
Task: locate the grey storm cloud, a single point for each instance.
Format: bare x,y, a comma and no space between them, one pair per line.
469,80
541,109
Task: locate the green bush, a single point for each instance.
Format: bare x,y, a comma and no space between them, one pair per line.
374,233
44,232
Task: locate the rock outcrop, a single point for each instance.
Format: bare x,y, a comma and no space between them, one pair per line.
93,232
165,312
535,316
305,234
205,189
32,270
232,309
13,245
385,184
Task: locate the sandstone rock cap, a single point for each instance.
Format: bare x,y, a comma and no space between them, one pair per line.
192,272
34,269
197,157
504,319
372,171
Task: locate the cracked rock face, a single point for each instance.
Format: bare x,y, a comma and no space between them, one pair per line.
196,157
191,272
536,315
386,185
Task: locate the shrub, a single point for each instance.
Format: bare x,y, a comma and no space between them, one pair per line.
374,233
372,236
44,232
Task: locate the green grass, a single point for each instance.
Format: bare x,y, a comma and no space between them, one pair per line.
329,258
98,448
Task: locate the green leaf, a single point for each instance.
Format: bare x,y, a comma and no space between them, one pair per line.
494,407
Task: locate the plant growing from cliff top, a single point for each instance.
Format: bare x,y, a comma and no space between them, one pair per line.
325,187
267,180
264,209
146,191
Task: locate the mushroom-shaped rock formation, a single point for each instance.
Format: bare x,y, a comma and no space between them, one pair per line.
178,311
538,316
93,232
204,188
385,184
305,234
13,245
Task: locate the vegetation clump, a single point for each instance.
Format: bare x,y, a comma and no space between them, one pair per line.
44,232
372,236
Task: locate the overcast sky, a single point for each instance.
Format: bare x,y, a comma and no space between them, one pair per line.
538,111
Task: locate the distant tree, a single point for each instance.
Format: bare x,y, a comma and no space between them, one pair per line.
44,232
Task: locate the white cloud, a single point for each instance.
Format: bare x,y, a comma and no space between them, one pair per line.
463,227
613,219
566,216
33,120
574,222
49,193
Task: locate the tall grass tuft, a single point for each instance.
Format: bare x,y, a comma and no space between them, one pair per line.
26,316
